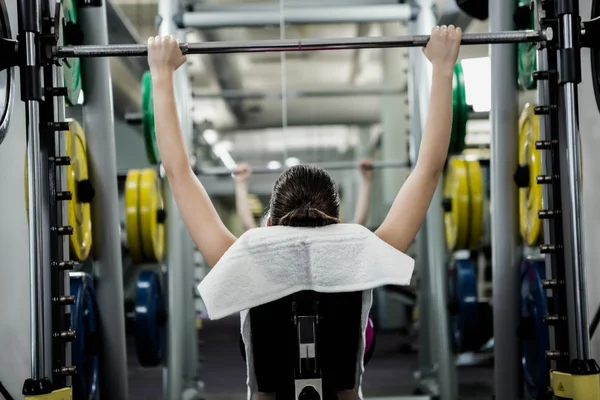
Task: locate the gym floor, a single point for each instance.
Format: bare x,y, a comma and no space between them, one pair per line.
390,372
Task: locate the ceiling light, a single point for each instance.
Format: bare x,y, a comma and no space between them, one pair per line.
274,164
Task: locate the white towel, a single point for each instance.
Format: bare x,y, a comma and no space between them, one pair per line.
267,264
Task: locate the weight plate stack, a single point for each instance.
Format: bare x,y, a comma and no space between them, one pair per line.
144,216
72,34
78,183
6,77
530,167
82,192
148,120
532,331
526,52
456,204
150,319
85,347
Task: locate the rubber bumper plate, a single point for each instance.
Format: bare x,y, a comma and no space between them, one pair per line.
6,77
84,349
460,111
150,319
526,52
533,332
530,167
148,120
72,36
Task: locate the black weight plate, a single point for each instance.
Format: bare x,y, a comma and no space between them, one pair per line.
6,77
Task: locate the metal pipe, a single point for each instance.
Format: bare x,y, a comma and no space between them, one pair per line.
36,261
295,16
341,165
210,7
293,94
101,150
293,45
504,197
570,113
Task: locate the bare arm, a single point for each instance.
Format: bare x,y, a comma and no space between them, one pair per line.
412,202
364,193
242,205
199,215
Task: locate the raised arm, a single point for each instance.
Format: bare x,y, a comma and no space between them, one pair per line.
199,215
410,206
242,205
364,192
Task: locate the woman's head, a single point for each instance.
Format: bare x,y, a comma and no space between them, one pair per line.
304,195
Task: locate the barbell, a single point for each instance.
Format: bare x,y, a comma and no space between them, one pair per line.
293,45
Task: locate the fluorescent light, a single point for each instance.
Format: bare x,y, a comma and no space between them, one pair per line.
211,136
274,164
290,162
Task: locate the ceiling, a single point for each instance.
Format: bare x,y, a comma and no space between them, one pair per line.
252,128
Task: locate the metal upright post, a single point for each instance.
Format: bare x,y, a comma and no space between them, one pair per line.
436,268
99,124
505,245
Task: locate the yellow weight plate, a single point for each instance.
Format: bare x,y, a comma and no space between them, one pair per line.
151,204
80,217
132,219
476,197
530,198
456,191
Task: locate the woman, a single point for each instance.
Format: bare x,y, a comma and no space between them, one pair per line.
242,205
304,195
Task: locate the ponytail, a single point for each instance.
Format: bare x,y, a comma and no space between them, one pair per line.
307,217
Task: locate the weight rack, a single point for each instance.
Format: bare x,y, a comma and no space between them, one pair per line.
37,46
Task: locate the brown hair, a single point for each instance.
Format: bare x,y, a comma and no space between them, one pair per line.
304,196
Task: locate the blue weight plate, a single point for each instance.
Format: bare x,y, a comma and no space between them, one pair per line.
84,349
535,341
463,289
150,316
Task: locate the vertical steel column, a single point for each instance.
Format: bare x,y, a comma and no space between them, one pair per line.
505,245
436,267
426,362
570,76
30,17
174,385
99,125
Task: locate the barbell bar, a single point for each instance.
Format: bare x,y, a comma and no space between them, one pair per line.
293,45
330,166
295,94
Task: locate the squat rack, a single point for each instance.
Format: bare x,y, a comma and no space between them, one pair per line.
37,50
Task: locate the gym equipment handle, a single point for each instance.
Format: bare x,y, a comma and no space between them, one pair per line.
264,46
221,171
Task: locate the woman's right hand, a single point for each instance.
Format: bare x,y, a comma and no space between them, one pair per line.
164,54
443,46
366,169
242,173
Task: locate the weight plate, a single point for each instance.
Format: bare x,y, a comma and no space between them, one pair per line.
148,119
527,56
456,212
6,78
84,349
463,297
476,199
533,331
463,108
530,198
80,217
132,215
150,318
594,58
151,216
71,66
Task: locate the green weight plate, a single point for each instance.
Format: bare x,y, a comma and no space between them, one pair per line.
460,112
148,119
463,108
71,66
527,56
